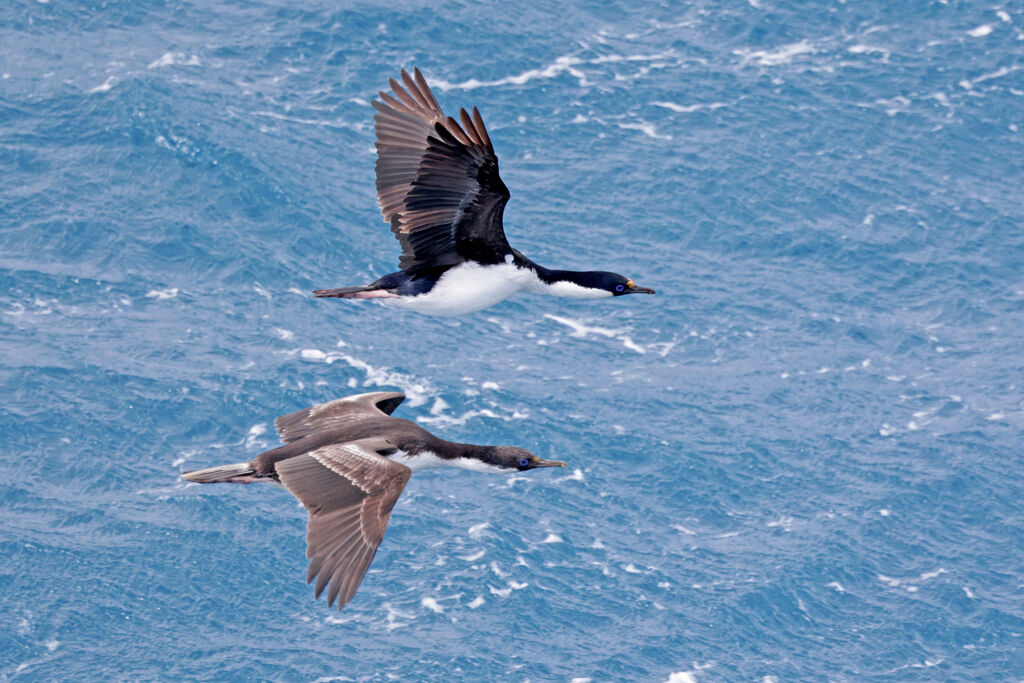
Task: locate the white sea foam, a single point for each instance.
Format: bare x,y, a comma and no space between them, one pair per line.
416,391
582,331
564,64
894,105
688,108
477,602
448,420
687,676
909,584
185,456
647,129
926,664
998,73
356,126
780,55
980,31
553,538
172,58
440,405
500,592
284,334
432,605
392,620
835,584
103,87
162,294
252,439
868,49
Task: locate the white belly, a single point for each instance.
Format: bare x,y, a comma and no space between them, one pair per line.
468,287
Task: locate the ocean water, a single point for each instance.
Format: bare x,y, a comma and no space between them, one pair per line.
801,460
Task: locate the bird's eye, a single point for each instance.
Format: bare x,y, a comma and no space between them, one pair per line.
619,288
524,462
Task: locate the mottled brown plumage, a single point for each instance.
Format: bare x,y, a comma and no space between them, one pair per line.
349,490
335,460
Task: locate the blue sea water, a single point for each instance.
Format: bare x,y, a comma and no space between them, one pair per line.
801,460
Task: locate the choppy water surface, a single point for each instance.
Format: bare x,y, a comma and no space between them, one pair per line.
800,461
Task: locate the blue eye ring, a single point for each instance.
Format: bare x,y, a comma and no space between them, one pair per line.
524,462
619,288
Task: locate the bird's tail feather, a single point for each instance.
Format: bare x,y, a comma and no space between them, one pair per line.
342,292
238,473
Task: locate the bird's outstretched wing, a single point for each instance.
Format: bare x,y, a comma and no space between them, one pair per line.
336,413
437,181
349,490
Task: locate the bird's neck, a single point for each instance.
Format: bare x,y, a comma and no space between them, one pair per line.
467,450
575,284
469,457
550,276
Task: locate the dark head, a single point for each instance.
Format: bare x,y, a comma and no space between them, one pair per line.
619,285
512,459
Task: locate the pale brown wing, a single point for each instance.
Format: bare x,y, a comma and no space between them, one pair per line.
437,181
349,490
336,413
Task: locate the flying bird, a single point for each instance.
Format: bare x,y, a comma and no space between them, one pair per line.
347,461
438,186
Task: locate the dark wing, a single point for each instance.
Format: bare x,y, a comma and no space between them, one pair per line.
437,181
349,490
336,413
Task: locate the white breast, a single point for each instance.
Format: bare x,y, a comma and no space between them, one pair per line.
469,287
